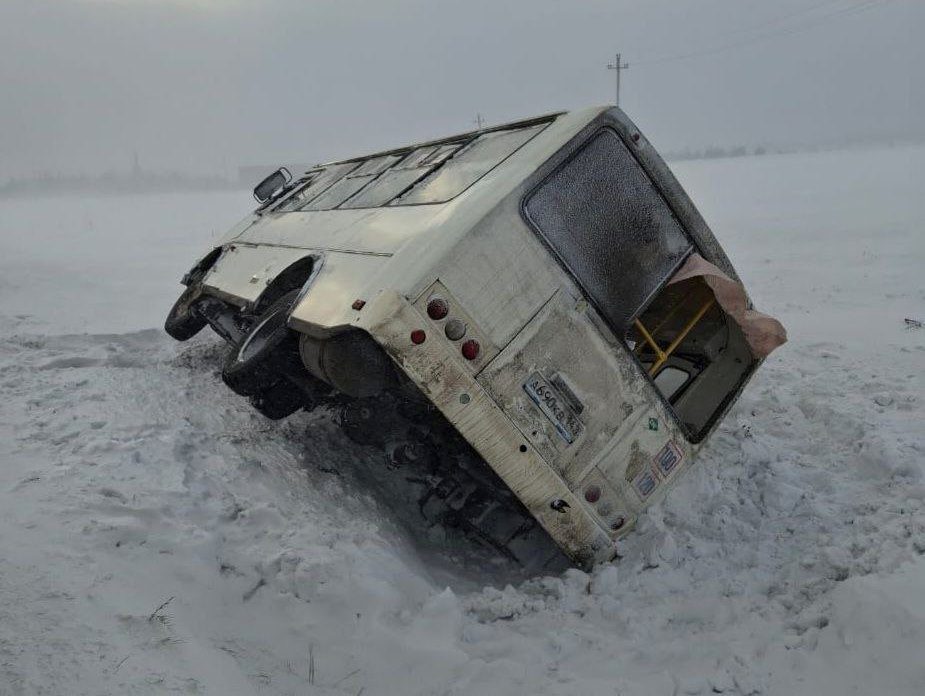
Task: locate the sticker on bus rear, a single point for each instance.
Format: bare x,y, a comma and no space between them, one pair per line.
668,458
645,483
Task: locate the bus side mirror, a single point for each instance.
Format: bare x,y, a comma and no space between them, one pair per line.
272,185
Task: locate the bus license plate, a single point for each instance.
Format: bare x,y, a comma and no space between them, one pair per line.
554,407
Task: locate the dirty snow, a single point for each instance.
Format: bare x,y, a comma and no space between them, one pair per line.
156,536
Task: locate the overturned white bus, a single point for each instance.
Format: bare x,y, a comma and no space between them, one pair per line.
546,286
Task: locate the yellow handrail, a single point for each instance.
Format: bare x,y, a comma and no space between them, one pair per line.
668,317
664,355
648,338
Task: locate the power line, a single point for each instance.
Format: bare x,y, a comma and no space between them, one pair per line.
784,18
784,31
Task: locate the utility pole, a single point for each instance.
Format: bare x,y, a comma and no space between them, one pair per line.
618,66
479,121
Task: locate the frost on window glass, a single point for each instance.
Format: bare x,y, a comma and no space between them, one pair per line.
352,183
412,167
318,181
609,226
467,166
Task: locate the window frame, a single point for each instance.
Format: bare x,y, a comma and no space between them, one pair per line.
463,142
306,180
575,147
424,170
462,149
678,390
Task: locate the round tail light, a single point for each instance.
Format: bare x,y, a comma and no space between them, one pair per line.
454,329
470,349
437,309
418,336
593,494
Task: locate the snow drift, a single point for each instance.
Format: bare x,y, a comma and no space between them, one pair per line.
157,537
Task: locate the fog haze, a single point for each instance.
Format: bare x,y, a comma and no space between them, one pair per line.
207,85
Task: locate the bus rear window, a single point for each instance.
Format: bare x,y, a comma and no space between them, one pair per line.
609,226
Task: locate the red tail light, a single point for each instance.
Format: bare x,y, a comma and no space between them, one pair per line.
418,336
593,494
470,349
437,309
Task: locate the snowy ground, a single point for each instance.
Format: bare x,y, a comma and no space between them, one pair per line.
791,560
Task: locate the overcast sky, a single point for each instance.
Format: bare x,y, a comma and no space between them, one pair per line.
206,85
